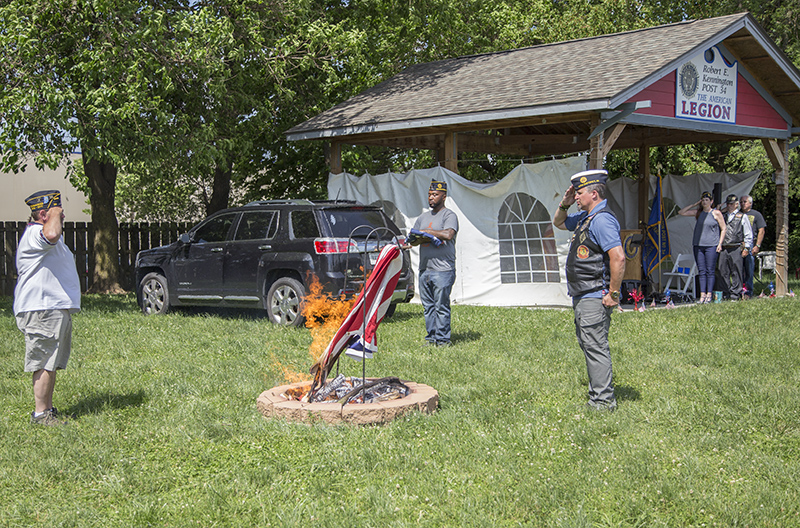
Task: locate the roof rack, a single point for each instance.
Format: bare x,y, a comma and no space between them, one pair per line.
303,201
337,202
282,202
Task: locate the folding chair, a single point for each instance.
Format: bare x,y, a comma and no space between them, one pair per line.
766,261
683,272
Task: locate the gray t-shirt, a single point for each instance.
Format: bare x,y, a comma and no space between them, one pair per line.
756,222
442,258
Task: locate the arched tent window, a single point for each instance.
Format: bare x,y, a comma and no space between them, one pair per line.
527,246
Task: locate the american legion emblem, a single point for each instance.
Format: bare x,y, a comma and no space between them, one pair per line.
583,252
689,80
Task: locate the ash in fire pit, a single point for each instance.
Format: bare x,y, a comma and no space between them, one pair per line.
352,390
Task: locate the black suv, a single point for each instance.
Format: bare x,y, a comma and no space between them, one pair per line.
265,255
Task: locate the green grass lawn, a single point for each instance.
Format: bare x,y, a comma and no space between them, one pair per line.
166,431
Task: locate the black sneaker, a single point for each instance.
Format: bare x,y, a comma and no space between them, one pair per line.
49,417
603,406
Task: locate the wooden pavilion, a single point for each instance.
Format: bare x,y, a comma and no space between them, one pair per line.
718,79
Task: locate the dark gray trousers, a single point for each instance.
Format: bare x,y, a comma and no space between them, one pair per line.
730,271
592,321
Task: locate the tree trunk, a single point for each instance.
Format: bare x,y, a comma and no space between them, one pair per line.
220,193
102,178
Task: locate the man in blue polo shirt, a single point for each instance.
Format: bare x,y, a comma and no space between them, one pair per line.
595,267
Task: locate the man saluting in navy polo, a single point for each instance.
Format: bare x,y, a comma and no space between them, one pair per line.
595,267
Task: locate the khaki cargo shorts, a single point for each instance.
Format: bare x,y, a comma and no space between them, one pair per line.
48,339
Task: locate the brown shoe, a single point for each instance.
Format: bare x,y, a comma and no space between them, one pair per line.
49,417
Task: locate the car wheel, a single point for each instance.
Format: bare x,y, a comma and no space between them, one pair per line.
285,302
154,294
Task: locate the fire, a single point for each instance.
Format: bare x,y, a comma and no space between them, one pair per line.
289,374
324,315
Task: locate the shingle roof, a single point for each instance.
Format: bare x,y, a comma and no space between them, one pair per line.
589,73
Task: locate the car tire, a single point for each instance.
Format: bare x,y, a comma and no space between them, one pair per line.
154,294
390,310
285,302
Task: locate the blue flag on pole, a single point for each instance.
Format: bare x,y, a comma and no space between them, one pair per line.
656,243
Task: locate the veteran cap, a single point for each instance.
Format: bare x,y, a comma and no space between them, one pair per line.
438,186
731,198
708,195
43,200
590,177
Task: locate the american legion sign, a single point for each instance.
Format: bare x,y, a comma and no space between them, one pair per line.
706,88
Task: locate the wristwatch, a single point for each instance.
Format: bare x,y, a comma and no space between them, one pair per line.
614,295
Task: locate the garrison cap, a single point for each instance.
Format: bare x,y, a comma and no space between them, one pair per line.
43,200
438,186
589,177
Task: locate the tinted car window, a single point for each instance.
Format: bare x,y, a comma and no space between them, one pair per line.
257,225
215,230
303,224
343,221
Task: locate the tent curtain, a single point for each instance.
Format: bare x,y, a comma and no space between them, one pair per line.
507,251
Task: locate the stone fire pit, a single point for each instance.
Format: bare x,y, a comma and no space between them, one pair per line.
272,404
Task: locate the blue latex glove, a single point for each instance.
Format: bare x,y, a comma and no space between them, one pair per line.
416,234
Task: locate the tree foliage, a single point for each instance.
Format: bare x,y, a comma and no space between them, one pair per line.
88,76
179,108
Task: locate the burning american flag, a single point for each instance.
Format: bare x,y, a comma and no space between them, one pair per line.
357,333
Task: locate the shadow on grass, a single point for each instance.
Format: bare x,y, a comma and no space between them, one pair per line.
250,314
107,303
465,337
106,401
624,392
401,317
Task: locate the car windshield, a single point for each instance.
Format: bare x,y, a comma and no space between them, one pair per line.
342,222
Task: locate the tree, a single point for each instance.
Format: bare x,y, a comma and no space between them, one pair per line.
86,76
155,88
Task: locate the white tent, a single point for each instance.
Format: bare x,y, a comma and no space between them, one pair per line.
507,252
508,220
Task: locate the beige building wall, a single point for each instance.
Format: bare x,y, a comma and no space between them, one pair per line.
17,187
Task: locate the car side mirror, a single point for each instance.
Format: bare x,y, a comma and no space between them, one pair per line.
185,238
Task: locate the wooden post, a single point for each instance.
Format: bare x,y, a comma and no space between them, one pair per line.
595,145
441,157
451,151
335,157
644,197
644,186
612,138
778,153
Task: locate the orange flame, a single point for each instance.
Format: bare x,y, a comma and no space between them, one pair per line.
290,375
324,315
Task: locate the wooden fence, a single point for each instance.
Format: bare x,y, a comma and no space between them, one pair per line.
79,236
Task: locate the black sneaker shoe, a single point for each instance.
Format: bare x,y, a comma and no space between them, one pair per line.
49,417
603,406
